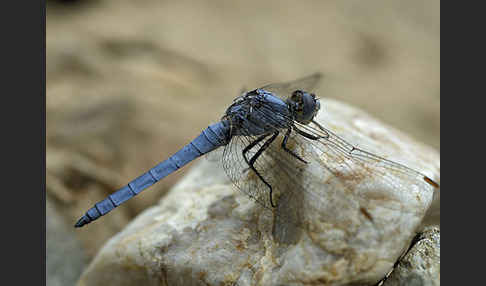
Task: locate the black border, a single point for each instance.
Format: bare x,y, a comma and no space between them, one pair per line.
23,132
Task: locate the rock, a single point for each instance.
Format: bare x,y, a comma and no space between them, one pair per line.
345,227
421,264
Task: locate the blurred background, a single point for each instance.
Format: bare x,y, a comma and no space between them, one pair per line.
130,82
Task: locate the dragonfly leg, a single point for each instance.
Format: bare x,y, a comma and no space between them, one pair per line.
307,135
322,128
251,145
284,146
251,162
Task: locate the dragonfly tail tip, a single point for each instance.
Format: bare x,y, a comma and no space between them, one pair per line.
82,221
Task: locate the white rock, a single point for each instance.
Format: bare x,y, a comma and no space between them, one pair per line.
352,226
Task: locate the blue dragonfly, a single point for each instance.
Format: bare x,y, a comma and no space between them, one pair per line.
272,172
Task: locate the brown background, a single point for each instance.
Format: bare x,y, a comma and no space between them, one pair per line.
130,82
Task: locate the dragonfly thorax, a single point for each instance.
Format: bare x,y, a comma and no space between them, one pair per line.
258,112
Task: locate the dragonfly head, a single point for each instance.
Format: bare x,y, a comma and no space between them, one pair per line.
303,105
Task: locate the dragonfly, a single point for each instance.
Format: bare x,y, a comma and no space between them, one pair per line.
266,134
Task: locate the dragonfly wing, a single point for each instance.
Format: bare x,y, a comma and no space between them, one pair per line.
364,173
284,89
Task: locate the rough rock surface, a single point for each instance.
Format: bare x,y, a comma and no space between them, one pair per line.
421,265
207,233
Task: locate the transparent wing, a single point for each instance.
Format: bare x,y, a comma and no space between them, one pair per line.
355,161
284,89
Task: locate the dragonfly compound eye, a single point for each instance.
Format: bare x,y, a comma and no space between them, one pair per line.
304,105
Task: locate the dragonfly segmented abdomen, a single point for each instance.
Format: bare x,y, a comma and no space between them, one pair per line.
214,136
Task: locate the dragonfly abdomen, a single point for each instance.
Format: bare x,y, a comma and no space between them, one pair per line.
214,136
